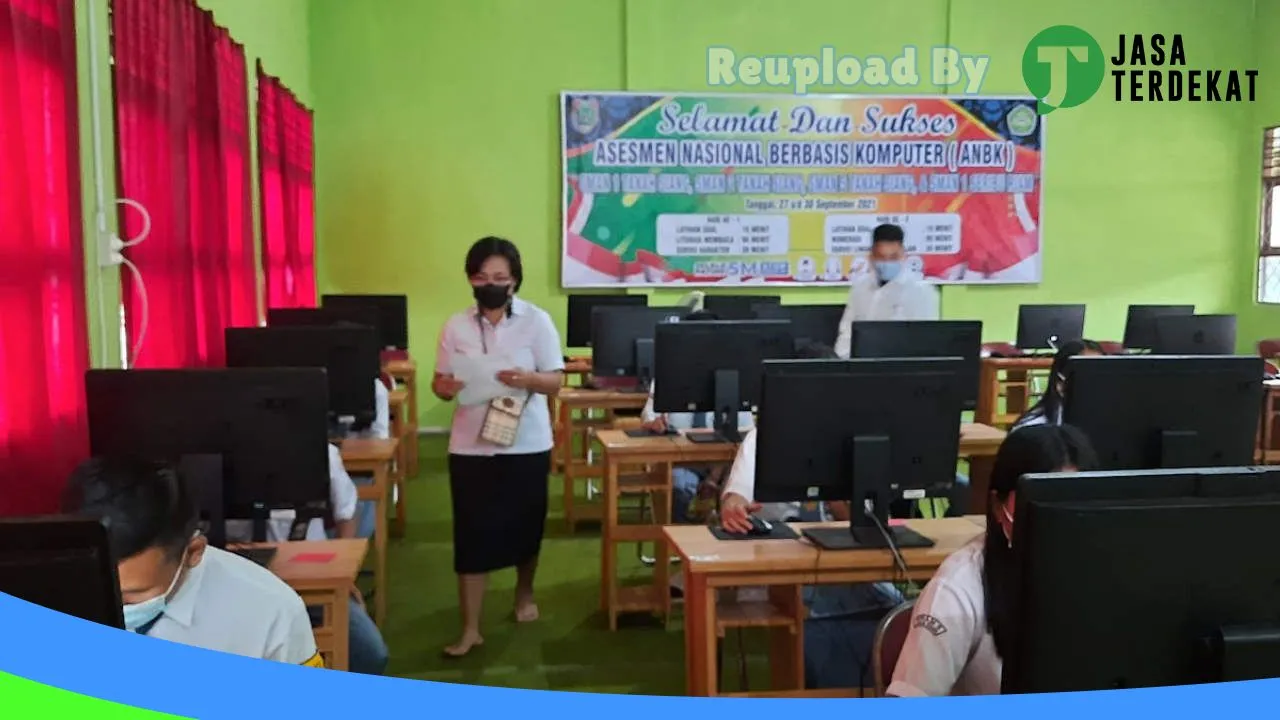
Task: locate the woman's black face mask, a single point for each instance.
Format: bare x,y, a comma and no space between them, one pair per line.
490,296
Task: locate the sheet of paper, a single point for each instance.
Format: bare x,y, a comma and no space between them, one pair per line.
479,376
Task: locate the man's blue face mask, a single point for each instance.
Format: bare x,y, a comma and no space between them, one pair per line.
887,270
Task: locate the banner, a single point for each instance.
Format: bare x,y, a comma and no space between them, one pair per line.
717,189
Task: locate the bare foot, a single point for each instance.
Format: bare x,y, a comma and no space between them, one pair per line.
463,646
526,610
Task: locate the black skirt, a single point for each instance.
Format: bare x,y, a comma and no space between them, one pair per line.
499,509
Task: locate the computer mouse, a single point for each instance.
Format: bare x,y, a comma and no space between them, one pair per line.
760,527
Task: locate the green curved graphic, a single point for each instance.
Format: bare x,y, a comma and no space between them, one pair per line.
22,699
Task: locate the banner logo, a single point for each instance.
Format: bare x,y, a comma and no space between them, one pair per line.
584,115
1063,67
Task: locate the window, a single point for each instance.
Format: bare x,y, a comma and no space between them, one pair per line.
1269,236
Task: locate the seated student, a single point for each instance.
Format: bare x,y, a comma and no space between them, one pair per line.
840,628
961,625
1048,410
368,651
685,480
380,429
174,586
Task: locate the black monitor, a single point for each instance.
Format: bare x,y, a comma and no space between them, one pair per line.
1140,323
1149,411
809,323
349,354
925,338
203,477
1045,327
622,341
1145,579
1195,335
63,564
737,307
392,313
578,320
311,317
715,366
867,431
269,425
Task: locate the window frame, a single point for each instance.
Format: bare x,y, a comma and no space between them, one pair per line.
1268,231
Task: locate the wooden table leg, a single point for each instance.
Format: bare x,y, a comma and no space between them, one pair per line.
608,551
566,458
699,635
381,482
340,616
1017,391
988,394
980,483
411,384
786,645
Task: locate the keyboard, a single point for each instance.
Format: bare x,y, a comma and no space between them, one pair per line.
258,555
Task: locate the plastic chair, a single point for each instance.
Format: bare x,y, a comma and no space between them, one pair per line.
890,636
1111,347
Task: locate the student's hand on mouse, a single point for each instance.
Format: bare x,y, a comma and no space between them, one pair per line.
446,387
735,513
657,425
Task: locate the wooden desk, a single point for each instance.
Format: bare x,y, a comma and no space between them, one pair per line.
406,432
710,564
978,443
370,456
406,371
578,467
326,585
1014,386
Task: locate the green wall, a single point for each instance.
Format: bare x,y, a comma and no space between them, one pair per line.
275,31
437,124
1261,321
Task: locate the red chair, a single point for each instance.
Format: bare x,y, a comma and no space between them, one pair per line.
890,636
1000,349
1269,350
1111,347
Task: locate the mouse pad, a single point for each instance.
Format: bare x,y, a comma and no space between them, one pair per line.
780,531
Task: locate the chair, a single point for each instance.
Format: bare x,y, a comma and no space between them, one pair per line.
1111,347
890,636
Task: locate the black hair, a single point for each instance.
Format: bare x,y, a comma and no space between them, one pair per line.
1049,406
144,504
487,247
887,232
1036,449
815,351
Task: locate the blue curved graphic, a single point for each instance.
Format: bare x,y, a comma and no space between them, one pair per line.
99,662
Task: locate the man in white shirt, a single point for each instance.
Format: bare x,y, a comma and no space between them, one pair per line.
174,586
890,292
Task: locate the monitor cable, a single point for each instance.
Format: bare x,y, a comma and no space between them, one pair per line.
869,509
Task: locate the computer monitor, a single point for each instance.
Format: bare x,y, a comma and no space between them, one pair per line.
1140,323
1149,411
622,342
392,313
63,564
1195,335
1045,327
203,477
809,323
1144,579
925,338
269,425
715,366
737,307
350,356
311,317
867,431
578,320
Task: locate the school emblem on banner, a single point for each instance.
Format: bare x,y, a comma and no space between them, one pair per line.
584,114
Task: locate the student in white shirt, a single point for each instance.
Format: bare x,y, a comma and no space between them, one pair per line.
498,486
890,292
174,586
685,479
1048,410
961,625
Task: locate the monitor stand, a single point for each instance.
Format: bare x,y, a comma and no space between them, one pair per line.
726,416
644,363
1178,449
871,465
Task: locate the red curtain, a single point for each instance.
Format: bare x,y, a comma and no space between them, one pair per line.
287,179
183,153
43,334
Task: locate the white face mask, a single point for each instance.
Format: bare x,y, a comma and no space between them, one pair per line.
138,615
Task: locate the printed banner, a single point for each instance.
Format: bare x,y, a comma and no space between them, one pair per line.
785,190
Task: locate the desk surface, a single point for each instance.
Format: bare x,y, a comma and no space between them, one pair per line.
397,397
592,397
318,564
404,365
703,553
975,439
368,450
1024,362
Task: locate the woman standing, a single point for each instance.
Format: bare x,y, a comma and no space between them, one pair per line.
497,479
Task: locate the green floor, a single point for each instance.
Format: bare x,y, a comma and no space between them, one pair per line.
570,648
